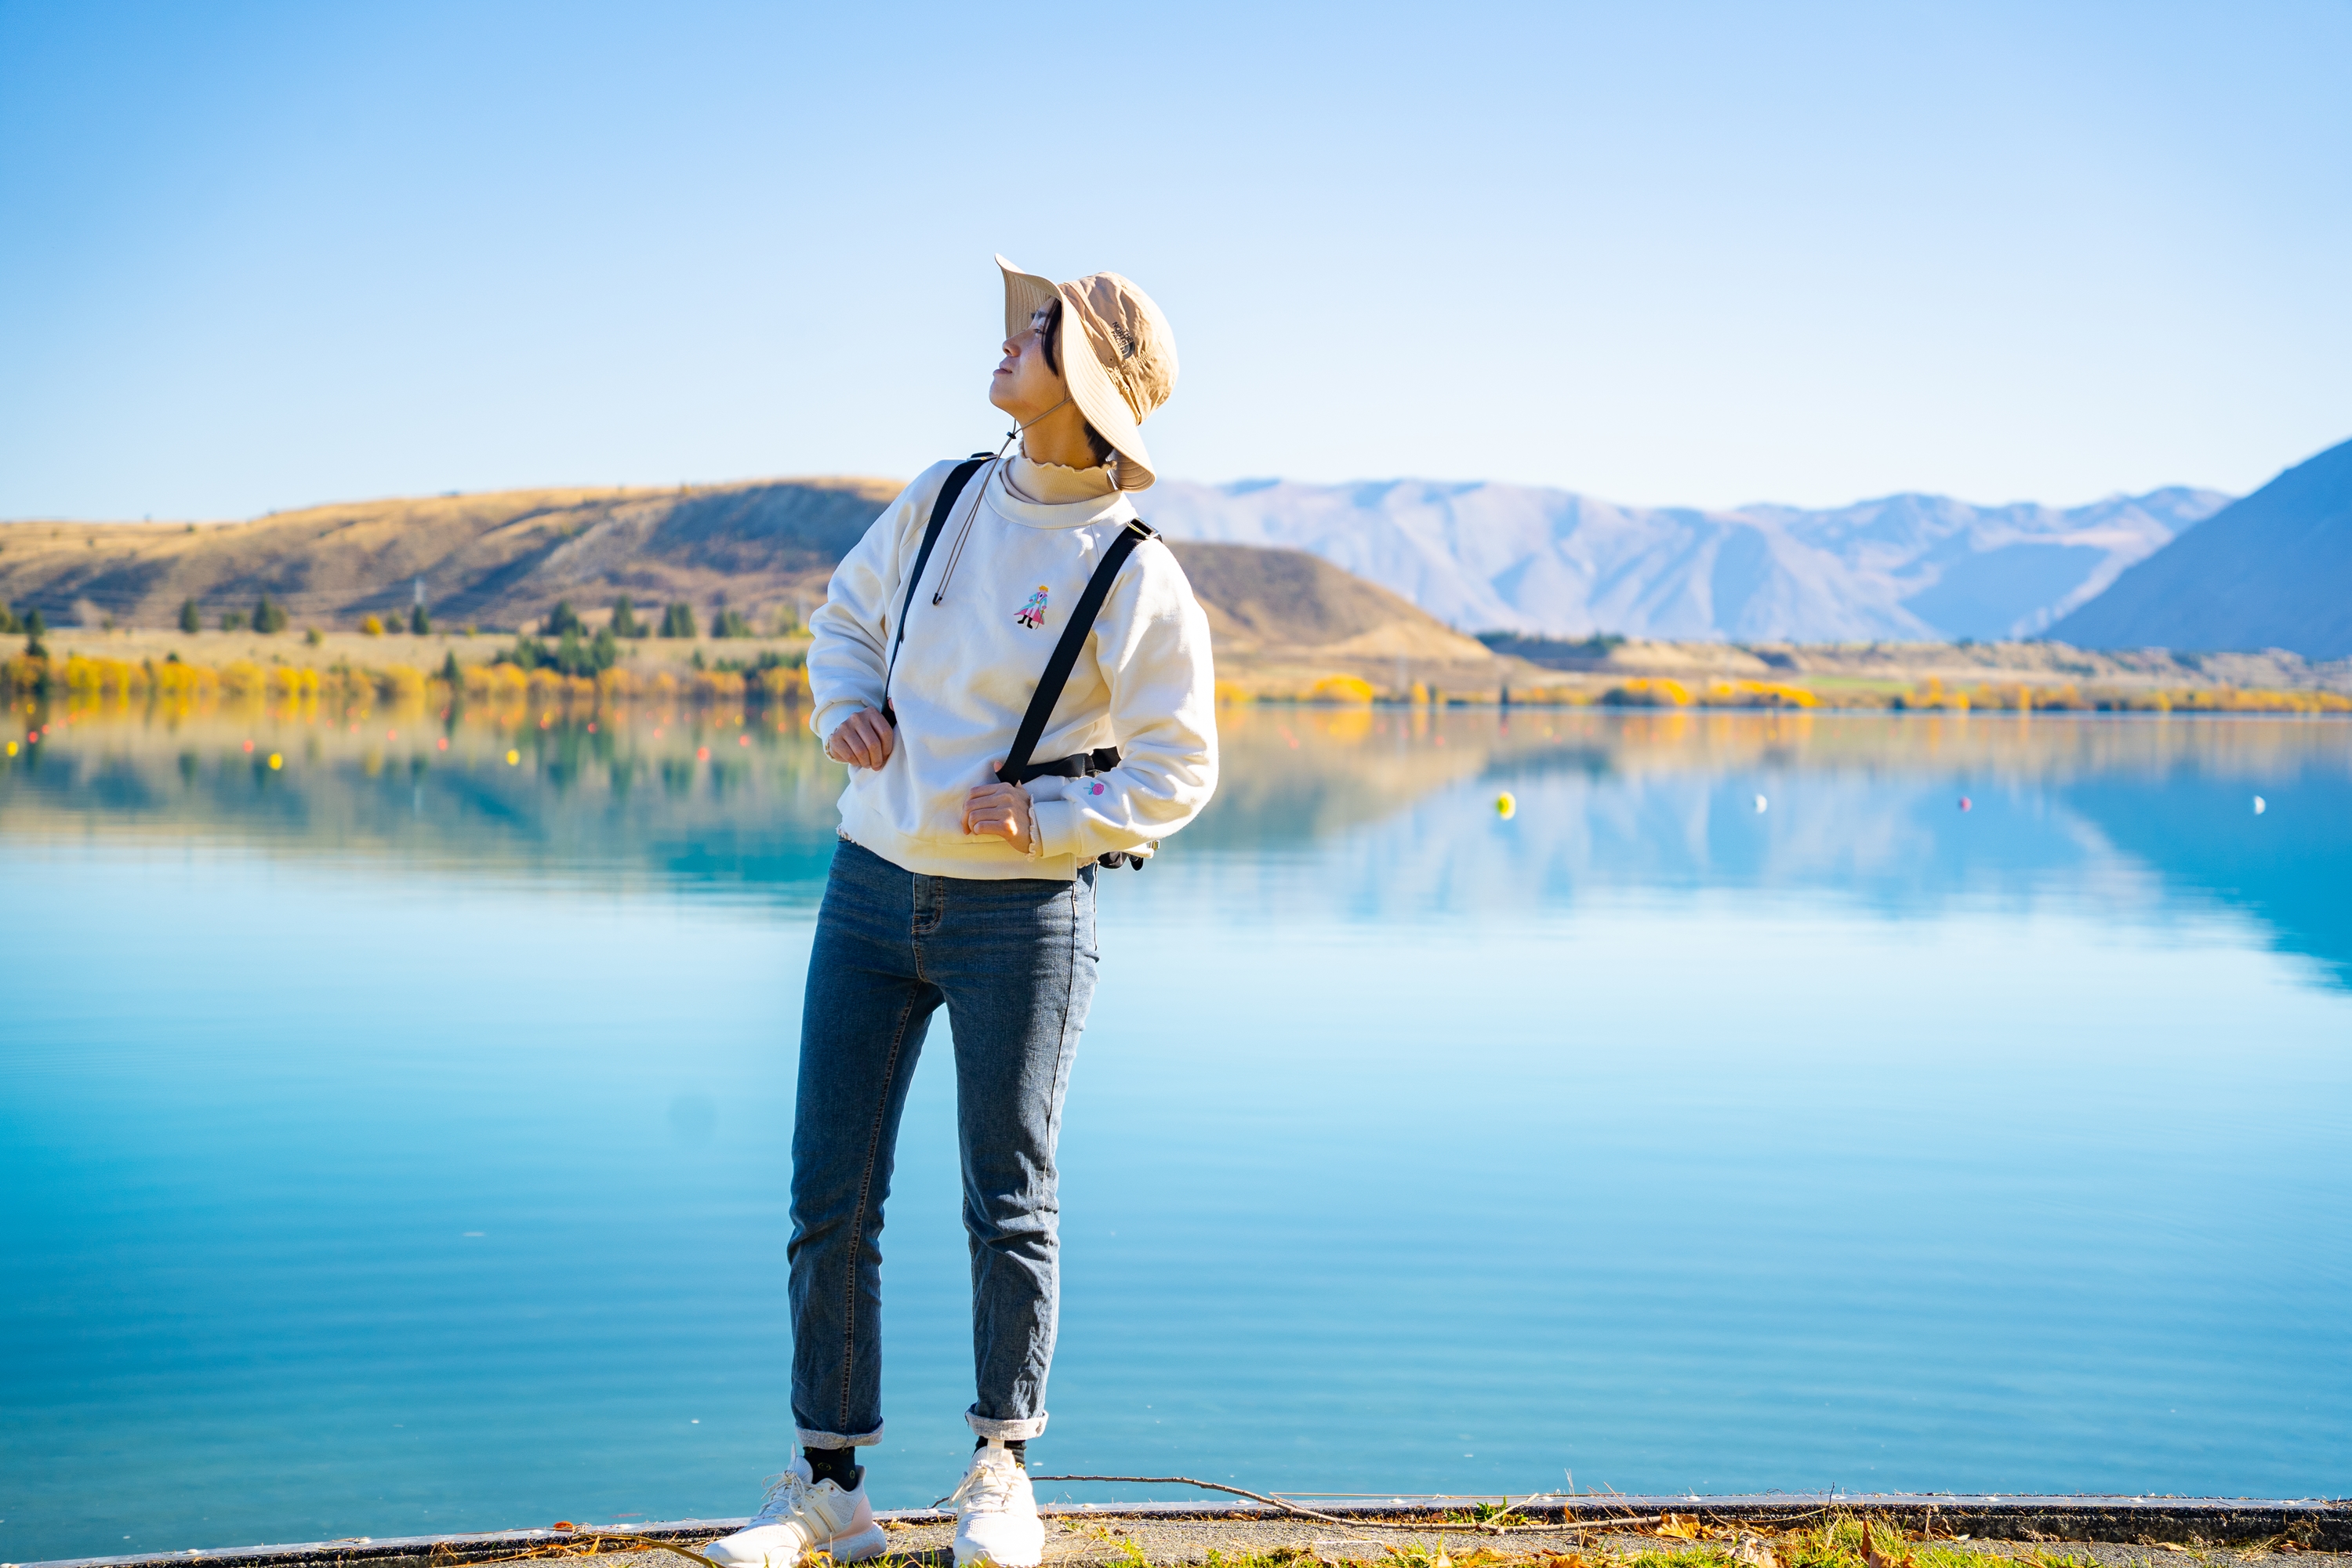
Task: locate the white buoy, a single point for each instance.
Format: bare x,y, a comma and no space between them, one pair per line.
1761,803
2261,805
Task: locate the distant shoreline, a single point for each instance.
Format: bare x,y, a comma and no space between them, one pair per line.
352,671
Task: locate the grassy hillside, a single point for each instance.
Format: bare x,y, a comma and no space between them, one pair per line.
497,560
1260,600
501,561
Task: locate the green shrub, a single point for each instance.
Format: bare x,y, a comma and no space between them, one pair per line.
625,619
570,656
419,622
562,621
677,621
268,616
769,659
730,623
192,621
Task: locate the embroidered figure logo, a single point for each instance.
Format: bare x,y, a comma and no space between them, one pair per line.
1032,614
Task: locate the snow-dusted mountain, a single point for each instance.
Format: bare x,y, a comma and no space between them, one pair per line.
1508,557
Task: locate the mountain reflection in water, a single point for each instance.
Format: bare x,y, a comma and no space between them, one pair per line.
2140,810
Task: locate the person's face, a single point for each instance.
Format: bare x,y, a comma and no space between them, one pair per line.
1024,386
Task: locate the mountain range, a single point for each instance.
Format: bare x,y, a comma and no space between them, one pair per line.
1485,556
2178,567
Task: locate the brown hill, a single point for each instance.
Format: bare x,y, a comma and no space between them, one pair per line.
498,559
1272,601
503,559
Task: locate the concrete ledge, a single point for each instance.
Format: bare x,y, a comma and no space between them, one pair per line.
2312,1524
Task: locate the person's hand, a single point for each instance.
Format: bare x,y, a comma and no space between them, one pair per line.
864,740
995,810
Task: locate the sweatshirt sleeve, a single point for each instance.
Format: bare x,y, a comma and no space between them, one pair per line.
849,634
1152,646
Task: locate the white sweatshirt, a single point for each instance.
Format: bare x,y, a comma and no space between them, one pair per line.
970,662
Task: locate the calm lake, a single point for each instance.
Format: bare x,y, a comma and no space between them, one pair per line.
396,1140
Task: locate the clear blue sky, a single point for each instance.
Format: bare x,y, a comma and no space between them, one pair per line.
257,255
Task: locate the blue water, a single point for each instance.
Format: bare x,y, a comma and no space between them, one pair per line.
397,1141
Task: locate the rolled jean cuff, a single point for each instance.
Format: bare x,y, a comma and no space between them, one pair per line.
836,1440
1019,1431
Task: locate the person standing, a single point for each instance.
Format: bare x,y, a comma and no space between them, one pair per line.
961,882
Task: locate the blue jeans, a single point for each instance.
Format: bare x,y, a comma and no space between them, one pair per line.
1014,962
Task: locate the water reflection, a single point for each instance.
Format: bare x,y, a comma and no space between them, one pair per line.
1393,805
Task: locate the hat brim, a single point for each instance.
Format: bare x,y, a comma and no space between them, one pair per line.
1025,294
1091,387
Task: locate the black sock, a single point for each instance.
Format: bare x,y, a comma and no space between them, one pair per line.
833,1464
1016,1446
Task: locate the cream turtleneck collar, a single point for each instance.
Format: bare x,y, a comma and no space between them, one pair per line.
1051,484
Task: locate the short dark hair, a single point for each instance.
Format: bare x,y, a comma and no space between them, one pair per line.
1049,333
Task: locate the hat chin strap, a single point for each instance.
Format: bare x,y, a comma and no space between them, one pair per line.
1026,423
1111,463
947,573
1023,428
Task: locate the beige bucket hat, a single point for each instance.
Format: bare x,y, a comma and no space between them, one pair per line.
1116,353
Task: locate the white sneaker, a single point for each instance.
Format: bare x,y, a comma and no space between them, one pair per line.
800,1516
996,1512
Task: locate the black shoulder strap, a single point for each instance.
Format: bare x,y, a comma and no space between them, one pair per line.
1065,657
953,487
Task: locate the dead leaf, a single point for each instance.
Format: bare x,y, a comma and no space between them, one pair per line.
1680,1526
1756,1552
1873,1556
